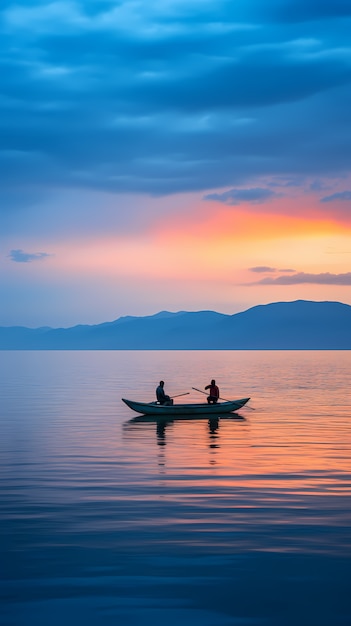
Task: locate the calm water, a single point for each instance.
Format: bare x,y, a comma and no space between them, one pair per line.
109,521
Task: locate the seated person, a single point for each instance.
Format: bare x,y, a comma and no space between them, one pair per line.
214,392
162,398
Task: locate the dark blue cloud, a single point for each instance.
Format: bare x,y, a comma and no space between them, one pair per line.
237,196
301,11
174,96
27,257
342,195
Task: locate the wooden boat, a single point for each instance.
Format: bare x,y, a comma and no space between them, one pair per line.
202,409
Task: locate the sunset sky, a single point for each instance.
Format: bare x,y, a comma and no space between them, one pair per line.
172,155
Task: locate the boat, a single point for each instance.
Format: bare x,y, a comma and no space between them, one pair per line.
201,409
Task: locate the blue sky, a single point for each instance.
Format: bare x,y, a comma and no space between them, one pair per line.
119,117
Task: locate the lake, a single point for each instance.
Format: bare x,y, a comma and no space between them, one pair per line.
238,521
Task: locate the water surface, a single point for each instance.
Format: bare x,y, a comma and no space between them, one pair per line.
110,520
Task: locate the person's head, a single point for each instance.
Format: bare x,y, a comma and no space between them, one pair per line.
213,382
162,382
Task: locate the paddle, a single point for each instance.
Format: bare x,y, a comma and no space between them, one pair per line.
224,400
177,396
181,394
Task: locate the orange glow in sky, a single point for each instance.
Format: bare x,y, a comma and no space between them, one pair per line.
221,245
203,257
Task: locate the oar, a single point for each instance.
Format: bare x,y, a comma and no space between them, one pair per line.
224,400
246,406
200,390
181,394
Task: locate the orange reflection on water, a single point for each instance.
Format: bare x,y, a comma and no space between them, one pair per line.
271,453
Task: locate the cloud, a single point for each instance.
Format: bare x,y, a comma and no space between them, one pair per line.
304,278
342,195
261,269
237,196
299,10
264,269
18,256
174,96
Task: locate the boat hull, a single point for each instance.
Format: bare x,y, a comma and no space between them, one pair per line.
203,409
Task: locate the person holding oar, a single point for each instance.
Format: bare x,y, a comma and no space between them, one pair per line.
161,396
214,395
214,392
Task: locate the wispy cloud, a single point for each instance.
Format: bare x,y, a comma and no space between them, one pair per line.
303,278
342,195
19,256
255,195
262,269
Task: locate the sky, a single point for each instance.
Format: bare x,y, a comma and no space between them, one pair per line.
172,155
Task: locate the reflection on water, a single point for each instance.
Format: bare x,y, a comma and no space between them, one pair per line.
140,426
164,425
109,518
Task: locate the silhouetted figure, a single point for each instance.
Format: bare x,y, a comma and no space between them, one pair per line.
162,398
214,392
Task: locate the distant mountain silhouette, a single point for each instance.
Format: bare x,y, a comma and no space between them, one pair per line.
299,325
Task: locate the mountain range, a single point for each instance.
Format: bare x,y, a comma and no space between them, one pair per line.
299,325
